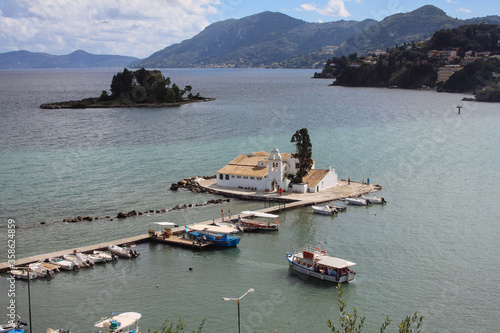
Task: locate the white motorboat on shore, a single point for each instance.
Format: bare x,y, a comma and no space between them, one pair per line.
356,201
374,199
314,261
253,224
326,210
63,263
127,322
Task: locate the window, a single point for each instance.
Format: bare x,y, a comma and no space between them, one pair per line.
221,176
232,176
252,177
245,177
227,177
239,176
297,165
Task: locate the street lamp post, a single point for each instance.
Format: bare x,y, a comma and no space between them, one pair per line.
251,290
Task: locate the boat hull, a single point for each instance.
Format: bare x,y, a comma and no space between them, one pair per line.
358,202
260,225
227,241
310,272
323,210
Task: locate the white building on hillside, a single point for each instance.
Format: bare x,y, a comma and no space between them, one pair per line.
268,172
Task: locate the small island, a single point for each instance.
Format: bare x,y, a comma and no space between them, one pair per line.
140,88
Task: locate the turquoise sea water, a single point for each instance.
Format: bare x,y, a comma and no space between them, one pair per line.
433,249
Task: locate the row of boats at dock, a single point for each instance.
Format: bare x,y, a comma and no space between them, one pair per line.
68,262
359,201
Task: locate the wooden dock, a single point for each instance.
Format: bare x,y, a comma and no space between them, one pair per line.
183,242
85,249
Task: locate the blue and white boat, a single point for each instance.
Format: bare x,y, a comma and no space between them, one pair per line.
315,261
218,235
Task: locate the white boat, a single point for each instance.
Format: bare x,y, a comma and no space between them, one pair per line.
105,255
23,273
127,322
51,266
63,263
314,261
17,327
356,201
123,251
327,210
41,270
79,259
271,225
374,199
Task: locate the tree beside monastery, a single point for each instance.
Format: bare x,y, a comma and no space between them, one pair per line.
303,153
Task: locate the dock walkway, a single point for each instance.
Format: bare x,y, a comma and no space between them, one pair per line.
287,201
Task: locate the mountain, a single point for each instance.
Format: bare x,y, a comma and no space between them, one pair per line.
76,59
272,39
261,39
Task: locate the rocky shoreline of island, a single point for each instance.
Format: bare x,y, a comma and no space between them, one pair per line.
93,103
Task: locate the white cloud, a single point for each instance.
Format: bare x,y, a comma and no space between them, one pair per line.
464,10
333,8
136,28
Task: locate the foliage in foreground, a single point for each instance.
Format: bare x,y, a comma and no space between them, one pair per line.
348,322
168,327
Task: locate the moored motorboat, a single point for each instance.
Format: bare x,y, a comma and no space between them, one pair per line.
127,322
13,327
63,263
252,224
53,267
374,199
218,235
314,261
40,270
23,273
356,201
79,259
123,251
105,255
326,210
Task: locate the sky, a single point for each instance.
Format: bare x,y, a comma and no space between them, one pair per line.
141,27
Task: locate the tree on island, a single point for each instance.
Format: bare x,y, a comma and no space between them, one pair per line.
304,153
145,86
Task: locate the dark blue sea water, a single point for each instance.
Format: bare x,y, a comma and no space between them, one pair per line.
433,249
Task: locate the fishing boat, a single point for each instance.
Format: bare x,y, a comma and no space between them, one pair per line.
63,263
127,322
252,224
218,235
40,270
123,251
356,201
23,273
315,261
374,199
326,210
